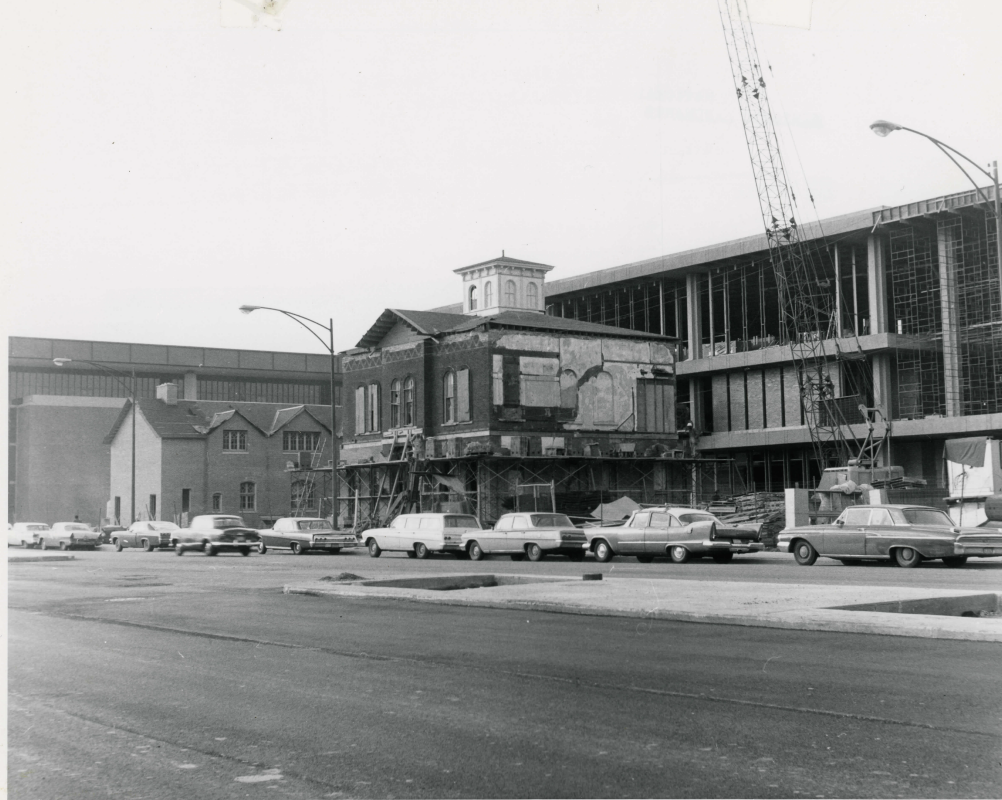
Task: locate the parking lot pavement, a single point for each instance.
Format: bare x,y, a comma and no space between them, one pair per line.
799,606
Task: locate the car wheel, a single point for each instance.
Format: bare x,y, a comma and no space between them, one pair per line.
178,549
245,551
63,546
476,551
679,554
723,557
210,549
603,552
645,559
907,557
955,561
420,550
26,546
41,544
535,552
118,545
297,548
147,546
804,553
410,554
262,548
518,556
374,549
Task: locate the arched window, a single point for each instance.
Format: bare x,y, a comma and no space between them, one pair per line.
449,397
509,294
395,404
532,296
408,401
248,496
304,496
568,389
488,294
372,408
473,297
604,400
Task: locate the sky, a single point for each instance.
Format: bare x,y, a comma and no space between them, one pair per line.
168,161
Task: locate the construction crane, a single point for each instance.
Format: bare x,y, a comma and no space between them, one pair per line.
806,292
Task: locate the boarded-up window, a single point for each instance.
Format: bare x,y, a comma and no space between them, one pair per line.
373,407
539,384
462,395
497,380
360,410
511,384
655,405
568,389
604,400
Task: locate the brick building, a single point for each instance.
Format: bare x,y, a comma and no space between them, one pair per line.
201,457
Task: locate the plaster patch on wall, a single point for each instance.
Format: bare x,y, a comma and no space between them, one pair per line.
528,341
661,353
622,350
530,365
580,354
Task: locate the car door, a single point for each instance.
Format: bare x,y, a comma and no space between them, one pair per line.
630,537
520,533
656,533
494,540
849,538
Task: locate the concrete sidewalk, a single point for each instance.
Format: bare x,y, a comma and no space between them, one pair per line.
768,605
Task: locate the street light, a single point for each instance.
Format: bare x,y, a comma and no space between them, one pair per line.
883,128
60,362
301,320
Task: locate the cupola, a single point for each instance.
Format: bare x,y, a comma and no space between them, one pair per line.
503,284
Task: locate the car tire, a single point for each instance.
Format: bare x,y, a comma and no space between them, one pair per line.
297,549
119,546
26,546
375,551
955,561
41,544
907,557
178,549
262,548
420,550
147,546
518,556
245,551
210,549
410,554
645,559
679,554
476,551
534,552
63,546
603,552
723,557
804,553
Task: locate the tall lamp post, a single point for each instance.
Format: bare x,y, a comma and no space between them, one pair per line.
329,347
131,388
883,128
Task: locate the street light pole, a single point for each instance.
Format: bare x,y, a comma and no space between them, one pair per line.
335,446
60,362
883,128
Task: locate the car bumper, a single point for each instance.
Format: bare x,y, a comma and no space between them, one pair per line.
977,550
334,543
717,546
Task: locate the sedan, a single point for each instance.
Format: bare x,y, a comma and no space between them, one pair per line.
907,535
26,534
69,536
302,534
531,535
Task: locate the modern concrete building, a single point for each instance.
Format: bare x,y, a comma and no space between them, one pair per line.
59,417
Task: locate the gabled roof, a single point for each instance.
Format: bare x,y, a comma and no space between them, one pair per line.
424,323
533,320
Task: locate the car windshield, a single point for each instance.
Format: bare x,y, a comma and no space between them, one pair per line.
36,527
228,522
688,519
462,522
921,516
164,526
313,525
551,521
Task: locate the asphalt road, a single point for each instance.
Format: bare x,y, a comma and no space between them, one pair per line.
139,675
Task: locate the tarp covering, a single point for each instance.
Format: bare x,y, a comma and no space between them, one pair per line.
617,509
970,451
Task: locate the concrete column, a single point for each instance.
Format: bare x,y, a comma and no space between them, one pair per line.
947,244
694,315
882,386
876,281
190,386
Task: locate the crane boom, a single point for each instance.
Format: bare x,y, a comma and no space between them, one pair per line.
807,298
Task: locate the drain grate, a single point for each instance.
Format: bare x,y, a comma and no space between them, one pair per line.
972,605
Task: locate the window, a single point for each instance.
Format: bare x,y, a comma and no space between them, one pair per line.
532,296
473,298
503,524
509,294
248,496
395,404
659,519
880,516
568,390
449,397
185,501
488,294
855,517
304,496
217,502
641,520
372,408
408,402
655,401
118,510
296,441
153,506
463,395
360,410
234,441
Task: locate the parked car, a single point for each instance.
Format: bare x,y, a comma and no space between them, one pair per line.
681,534
26,534
419,535
108,531
302,534
216,533
70,536
906,534
148,534
528,534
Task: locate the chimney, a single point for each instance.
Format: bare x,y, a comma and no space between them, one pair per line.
167,392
